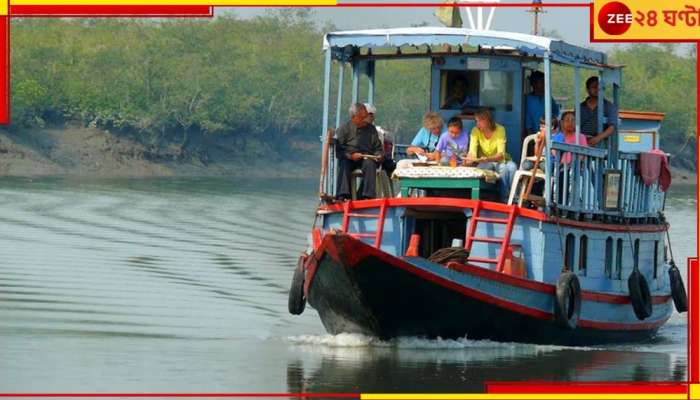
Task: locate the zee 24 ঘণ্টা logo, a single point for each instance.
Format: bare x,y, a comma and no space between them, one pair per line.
668,19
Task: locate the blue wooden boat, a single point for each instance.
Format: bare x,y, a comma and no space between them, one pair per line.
585,262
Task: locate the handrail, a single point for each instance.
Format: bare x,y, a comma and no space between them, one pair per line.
578,183
572,148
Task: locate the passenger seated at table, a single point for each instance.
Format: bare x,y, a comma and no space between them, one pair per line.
428,136
487,149
357,140
453,143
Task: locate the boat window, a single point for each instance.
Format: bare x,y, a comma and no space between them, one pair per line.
582,253
569,253
459,89
618,264
470,90
656,259
608,257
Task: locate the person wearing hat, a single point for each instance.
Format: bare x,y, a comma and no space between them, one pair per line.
534,104
388,164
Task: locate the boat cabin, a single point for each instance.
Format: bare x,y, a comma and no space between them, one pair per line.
491,70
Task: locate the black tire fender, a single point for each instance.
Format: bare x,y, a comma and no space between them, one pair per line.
680,298
567,302
297,302
639,295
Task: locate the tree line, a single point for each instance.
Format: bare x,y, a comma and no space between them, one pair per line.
165,81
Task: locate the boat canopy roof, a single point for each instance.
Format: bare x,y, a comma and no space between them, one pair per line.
559,51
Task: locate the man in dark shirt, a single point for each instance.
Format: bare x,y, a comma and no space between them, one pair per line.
358,146
589,115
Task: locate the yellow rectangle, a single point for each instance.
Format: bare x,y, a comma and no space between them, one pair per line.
695,391
4,7
261,3
650,20
632,138
528,396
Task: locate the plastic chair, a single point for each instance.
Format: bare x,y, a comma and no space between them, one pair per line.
523,173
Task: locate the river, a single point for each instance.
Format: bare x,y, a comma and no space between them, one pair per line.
180,285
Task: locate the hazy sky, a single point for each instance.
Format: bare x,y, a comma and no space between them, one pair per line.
570,23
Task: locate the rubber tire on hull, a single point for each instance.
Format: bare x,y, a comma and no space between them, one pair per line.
680,298
297,302
567,305
640,295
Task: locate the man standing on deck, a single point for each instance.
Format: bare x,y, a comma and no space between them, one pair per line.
589,115
358,146
534,104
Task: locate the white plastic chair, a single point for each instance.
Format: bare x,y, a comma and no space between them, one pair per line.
523,173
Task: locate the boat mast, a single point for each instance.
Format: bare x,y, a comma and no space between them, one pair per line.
536,10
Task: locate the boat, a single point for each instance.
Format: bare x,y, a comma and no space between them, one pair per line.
586,261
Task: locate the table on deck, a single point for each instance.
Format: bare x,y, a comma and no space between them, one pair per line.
440,177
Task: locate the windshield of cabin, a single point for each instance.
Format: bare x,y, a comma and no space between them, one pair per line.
469,90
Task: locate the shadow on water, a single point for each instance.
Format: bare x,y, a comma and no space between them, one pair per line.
379,370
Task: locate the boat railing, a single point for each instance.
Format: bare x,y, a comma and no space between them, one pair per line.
638,199
580,184
577,178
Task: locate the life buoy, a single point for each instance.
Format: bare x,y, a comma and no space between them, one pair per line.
567,304
297,302
639,294
680,298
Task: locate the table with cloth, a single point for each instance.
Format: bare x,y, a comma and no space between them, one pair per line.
416,175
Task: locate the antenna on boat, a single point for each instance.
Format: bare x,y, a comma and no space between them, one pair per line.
536,10
450,15
479,25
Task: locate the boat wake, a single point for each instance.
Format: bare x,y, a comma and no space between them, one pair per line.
354,340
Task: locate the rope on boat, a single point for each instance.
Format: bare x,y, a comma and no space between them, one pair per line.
670,249
565,267
449,254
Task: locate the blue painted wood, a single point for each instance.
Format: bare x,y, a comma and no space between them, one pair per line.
326,98
339,103
355,80
542,248
370,83
548,128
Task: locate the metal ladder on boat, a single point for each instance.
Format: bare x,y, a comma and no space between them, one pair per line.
504,241
348,212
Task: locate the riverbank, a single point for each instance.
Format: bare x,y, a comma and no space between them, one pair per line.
95,153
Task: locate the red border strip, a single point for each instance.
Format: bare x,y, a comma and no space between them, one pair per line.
5,69
54,11
146,395
693,336
587,387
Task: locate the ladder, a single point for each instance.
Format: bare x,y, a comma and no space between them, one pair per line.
508,221
349,212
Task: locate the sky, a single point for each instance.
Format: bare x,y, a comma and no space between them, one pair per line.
571,24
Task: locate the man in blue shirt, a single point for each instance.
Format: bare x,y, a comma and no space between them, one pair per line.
534,104
589,115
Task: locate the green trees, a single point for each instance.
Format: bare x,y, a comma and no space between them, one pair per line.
170,82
